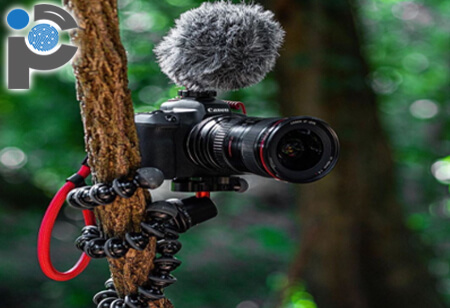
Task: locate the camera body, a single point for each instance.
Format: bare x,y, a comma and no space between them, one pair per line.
163,134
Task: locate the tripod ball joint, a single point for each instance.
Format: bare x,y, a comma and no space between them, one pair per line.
88,197
191,212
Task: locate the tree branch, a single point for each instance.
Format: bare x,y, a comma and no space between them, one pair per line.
110,135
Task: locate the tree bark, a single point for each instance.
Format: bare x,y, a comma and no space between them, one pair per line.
355,251
110,134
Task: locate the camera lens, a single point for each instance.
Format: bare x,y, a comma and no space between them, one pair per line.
297,149
300,150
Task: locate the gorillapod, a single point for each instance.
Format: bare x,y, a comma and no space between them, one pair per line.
164,220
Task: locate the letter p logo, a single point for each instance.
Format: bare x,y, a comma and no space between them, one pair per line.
42,38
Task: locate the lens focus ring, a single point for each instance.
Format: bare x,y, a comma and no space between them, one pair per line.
221,133
206,143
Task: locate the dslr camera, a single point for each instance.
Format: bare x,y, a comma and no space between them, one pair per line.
199,143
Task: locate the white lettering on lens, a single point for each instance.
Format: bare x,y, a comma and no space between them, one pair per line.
303,121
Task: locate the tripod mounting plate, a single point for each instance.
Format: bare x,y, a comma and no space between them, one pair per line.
210,184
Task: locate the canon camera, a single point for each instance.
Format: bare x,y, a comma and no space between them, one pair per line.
198,135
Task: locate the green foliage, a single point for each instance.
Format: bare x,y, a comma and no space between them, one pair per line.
298,297
407,43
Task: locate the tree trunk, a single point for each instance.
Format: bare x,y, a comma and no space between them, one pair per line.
110,134
355,251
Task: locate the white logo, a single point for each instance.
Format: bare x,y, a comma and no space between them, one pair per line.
218,110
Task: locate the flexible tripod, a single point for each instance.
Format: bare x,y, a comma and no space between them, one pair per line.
164,220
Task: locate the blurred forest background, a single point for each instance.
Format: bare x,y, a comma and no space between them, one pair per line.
249,256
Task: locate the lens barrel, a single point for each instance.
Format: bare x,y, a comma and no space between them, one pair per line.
296,149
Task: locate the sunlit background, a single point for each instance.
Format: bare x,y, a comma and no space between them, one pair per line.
240,259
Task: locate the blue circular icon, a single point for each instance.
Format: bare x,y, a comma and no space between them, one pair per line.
43,37
18,19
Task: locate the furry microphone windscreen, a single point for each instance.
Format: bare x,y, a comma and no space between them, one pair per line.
221,46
